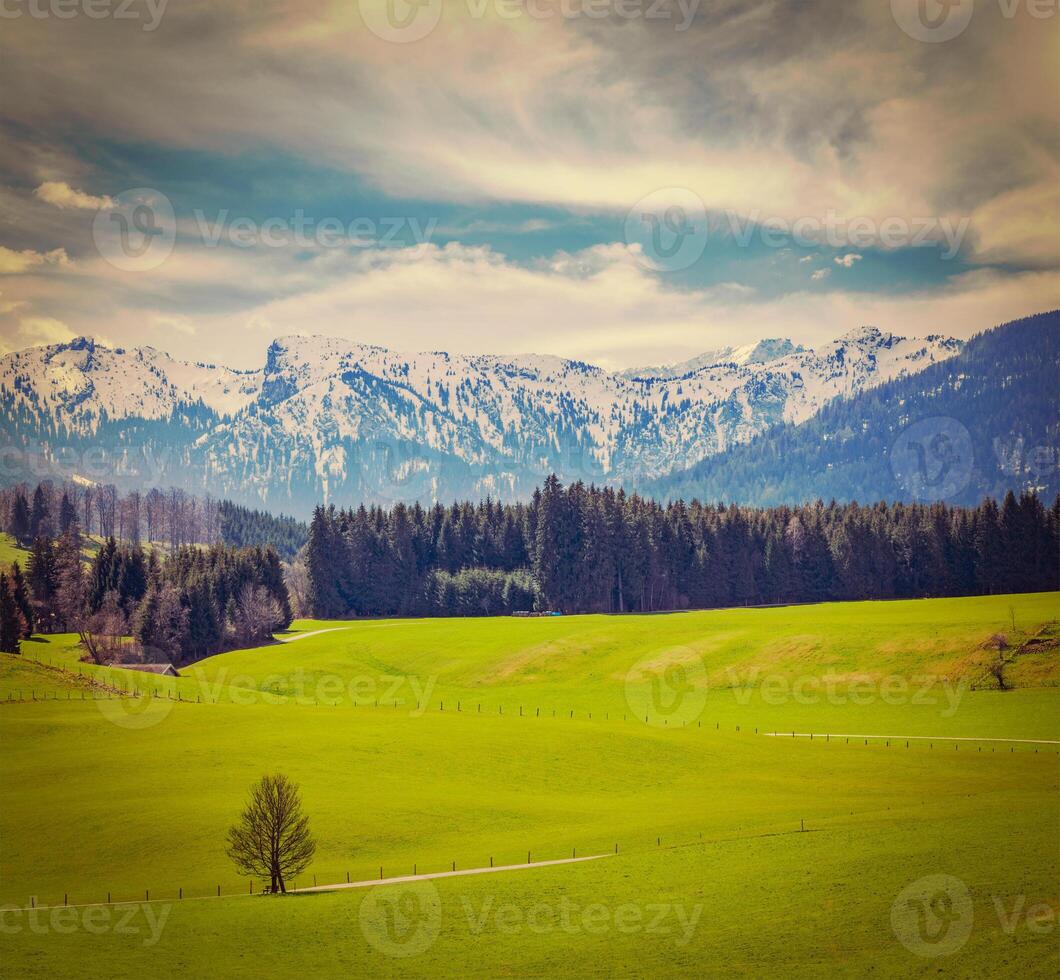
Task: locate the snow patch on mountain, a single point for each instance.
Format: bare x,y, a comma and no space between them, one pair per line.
759,352
328,418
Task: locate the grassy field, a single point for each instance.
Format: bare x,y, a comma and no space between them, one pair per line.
11,551
737,852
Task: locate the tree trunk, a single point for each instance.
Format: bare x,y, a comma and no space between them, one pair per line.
283,886
272,888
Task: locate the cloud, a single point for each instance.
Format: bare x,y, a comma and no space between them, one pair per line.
40,330
64,196
784,109
9,306
13,263
847,261
170,323
820,274
597,305
1021,225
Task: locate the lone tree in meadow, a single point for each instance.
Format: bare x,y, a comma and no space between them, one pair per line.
272,838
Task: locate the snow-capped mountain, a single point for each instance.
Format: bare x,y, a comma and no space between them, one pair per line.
326,419
760,352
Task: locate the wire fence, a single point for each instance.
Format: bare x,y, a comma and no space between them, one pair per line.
359,873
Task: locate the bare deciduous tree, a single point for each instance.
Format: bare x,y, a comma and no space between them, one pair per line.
296,577
107,630
255,615
107,509
272,838
996,669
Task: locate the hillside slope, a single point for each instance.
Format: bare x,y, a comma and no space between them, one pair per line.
979,424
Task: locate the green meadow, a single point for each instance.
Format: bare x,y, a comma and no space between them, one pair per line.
421,745
10,552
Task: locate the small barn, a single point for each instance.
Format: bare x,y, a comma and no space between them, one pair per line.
164,670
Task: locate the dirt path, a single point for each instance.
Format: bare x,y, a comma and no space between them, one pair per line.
449,874
305,636
919,738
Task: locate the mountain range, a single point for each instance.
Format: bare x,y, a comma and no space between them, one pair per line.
976,425
325,419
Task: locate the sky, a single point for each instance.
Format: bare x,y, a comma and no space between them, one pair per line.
623,182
